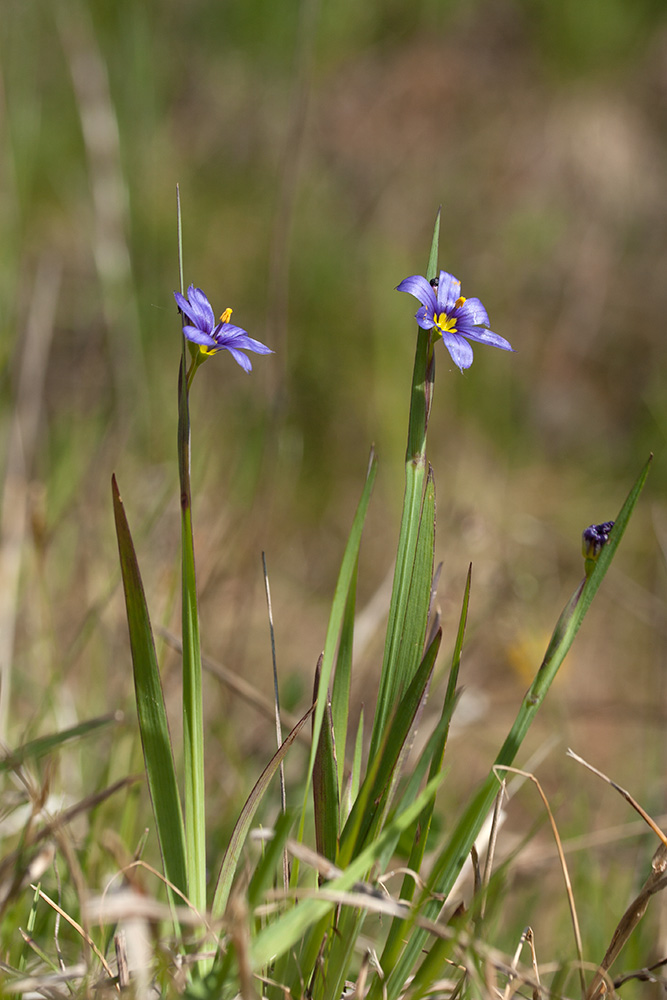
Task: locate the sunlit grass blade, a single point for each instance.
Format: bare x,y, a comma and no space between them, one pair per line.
340,694
325,783
391,678
345,578
450,861
267,872
411,620
193,707
373,799
153,724
285,932
44,745
438,752
268,868
349,926
433,753
353,781
244,822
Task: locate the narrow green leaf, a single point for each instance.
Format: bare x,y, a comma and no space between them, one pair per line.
450,861
349,926
340,694
325,782
283,933
371,804
153,724
269,868
244,822
354,780
393,675
345,577
44,745
438,752
407,629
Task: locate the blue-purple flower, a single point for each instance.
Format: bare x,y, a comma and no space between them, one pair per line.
212,337
451,316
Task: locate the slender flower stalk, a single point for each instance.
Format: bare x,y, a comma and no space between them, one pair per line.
450,315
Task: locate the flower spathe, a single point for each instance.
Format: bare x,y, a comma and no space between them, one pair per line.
212,337
452,316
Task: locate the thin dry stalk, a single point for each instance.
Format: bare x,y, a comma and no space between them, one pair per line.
77,927
564,869
237,684
656,881
626,795
35,346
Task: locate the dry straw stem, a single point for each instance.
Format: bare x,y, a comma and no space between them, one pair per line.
564,869
247,691
77,927
48,831
526,938
109,908
365,896
656,881
22,442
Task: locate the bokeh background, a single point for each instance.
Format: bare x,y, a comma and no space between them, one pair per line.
313,143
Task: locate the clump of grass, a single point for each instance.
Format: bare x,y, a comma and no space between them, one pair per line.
290,908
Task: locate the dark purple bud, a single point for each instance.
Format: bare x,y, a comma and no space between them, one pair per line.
594,537
434,282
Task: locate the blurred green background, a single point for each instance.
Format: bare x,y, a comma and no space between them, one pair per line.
313,144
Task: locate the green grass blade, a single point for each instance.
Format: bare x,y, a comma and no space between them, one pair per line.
153,724
193,707
354,781
286,931
345,578
407,629
325,783
340,694
44,745
391,677
244,822
451,860
349,926
269,867
372,802
438,752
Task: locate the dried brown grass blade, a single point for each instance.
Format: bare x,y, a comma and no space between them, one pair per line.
656,881
564,869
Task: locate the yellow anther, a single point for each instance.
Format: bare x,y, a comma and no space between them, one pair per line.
226,316
459,302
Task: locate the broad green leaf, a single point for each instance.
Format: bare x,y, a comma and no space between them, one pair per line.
153,724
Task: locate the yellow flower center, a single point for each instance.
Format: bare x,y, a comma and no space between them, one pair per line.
225,318
445,323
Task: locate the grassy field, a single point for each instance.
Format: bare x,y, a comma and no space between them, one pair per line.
313,145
